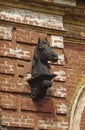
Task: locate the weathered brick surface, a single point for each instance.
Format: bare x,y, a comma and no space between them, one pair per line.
30,120
75,67
18,111
15,92
15,119
28,36
49,122
45,105
60,106
82,125
9,101
15,62
8,65
11,83
75,31
6,33
31,18
58,90
8,83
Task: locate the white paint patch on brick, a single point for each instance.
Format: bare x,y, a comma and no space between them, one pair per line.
50,123
28,76
6,33
19,53
61,75
61,59
47,123
66,2
61,108
11,67
32,18
19,121
57,41
62,124
61,92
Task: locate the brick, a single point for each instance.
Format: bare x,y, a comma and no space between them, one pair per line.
9,101
60,106
58,90
61,75
23,36
29,36
75,31
36,35
19,110
23,67
15,119
62,124
8,83
4,47
19,52
44,105
57,41
4,44
5,32
8,65
82,125
8,49
23,51
23,86
47,122
74,68
61,57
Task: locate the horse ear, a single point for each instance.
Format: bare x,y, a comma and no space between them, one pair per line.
39,40
46,39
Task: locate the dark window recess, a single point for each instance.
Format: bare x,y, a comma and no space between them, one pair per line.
25,0
80,1
16,128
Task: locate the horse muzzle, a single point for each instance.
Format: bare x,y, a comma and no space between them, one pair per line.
54,57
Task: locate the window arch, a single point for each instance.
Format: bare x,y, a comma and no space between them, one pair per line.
77,109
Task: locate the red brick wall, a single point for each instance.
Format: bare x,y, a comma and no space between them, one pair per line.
82,125
74,67
17,107
17,110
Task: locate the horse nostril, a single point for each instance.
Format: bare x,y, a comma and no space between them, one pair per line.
54,57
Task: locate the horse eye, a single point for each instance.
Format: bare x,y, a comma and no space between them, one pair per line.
45,45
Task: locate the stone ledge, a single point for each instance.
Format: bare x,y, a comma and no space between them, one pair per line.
34,7
74,41
49,31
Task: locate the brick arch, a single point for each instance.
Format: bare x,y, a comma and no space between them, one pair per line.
77,109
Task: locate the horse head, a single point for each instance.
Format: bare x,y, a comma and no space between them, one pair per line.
42,54
45,51
41,77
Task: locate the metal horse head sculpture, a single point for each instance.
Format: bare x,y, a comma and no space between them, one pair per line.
41,77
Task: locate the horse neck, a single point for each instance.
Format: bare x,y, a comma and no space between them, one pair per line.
42,67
